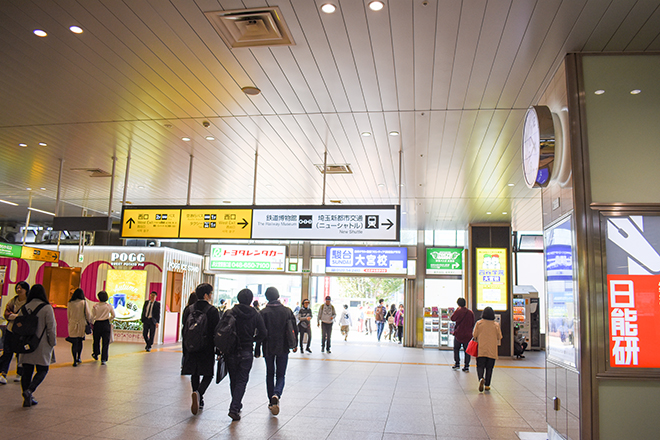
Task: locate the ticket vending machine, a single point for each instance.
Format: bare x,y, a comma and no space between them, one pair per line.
527,316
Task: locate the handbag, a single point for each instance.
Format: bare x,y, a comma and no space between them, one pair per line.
88,328
472,348
222,369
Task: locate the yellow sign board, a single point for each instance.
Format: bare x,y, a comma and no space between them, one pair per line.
150,223
30,253
127,293
492,288
216,223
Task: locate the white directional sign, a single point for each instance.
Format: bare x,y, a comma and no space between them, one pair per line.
363,223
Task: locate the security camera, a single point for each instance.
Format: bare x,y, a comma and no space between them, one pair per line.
206,124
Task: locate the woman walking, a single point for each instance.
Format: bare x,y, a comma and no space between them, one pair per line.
102,316
488,335
78,315
42,357
390,318
398,318
11,312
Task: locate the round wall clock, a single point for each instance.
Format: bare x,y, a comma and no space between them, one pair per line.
538,146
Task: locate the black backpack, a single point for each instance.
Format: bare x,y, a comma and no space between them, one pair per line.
291,339
25,330
195,329
225,337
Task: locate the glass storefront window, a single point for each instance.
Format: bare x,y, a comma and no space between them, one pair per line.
440,297
227,287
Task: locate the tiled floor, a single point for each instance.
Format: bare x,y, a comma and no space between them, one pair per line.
363,391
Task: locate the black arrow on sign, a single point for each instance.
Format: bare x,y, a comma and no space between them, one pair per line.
244,223
130,222
389,224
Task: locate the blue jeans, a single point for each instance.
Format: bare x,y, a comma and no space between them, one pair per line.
238,366
275,371
380,325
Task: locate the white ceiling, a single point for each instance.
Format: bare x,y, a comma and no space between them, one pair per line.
454,78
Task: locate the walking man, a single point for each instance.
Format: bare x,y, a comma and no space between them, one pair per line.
304,324
249,328
200,320
275,347
326,317
345,322
464,319
379,317
150,319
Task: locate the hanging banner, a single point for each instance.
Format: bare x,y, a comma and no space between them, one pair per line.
367,260
492,288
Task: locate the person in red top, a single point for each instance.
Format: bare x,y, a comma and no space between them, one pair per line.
464,319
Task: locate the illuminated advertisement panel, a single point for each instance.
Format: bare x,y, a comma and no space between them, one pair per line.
492,289
444,261
633,287
127,292
252,258
367,260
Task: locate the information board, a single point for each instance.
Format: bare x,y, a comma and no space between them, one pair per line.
30,253
10,250
367,260
216,223
253,258
150,223
444,261
492,288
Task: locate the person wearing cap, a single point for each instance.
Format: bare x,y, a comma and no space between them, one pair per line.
304,316
275,346
250,328
326,316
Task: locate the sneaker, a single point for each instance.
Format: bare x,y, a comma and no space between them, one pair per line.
234,416
308,350
27,398
17,378
481,385
455,367
487,388
194,408
95,356
466,369
201,403
3,379
329,351
102,362
322,350
274,405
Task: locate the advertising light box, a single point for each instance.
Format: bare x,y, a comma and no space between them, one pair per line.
252,258
127,291
633,286
444,261
492,288
368,260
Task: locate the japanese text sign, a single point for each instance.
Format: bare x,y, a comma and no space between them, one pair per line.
441,261
366,260
252,258
492,288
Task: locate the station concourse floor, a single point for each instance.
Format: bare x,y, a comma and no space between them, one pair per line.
364,390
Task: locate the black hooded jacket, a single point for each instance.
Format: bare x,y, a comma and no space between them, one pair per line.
275,316
248,320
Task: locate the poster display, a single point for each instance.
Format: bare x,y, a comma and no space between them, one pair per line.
492,286
444,261
127,291
633,290
253,258
366,260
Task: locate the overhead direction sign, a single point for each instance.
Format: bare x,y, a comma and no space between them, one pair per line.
150,223
30,253
216,223
10,250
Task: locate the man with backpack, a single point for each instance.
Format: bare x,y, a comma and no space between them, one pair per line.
325,318
249,328
282,336
199,322
379,317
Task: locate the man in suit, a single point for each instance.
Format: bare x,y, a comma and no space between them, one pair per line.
150,319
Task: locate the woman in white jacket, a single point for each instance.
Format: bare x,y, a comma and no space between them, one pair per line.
78,315
42,357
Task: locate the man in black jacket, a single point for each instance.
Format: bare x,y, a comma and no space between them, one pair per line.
249,328
276,346
150,319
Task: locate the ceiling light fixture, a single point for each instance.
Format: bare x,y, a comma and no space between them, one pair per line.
382,185
22,145
489,213
42,188
599,92
635,92
511,184
43,144
185,139
366,134
76,29
251,90
209,138
394,133
39,33
376,5
328,8
42,211
8,202
505,213
28,189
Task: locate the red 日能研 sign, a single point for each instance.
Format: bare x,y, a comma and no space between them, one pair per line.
633,313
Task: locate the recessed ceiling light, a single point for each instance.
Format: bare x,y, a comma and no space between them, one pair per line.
366,134
505,213
376,5
599,92
328,8
140,187
22,145
39,33
42,211
489,213
394,133
251,90
511,184
42,188
76,29
185,139
382,185
43,144
28,189
635,92
209,138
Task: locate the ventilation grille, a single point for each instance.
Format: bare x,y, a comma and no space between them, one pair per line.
94,172
335,168
251,27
